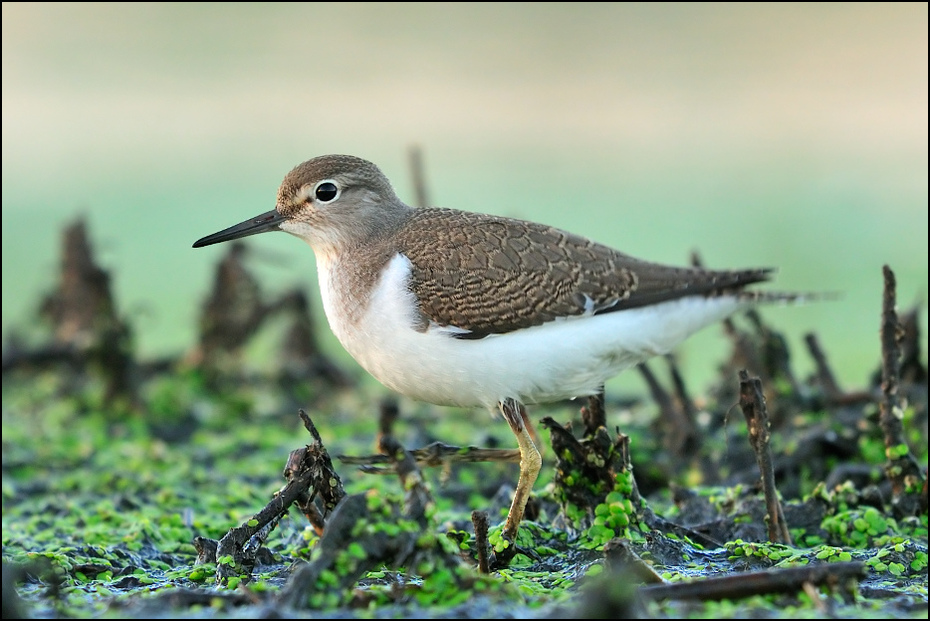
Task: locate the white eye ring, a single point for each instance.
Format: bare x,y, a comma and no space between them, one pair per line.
326,191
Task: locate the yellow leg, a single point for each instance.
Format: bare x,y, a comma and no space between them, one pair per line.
530,464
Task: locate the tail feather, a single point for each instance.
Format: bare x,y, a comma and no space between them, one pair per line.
786,297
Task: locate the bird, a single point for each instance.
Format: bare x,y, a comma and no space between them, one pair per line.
459,308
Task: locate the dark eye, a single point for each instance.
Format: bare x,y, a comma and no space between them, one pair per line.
326,191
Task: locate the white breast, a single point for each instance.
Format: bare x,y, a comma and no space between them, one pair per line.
559,360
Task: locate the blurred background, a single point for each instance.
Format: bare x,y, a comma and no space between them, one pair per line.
790,135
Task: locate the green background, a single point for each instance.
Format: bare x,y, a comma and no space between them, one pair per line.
784,135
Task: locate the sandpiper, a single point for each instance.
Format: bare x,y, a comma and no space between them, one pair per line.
458,308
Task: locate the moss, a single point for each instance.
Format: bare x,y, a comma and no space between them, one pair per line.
100,499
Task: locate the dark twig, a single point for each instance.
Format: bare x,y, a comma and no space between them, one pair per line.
309,472
752,402
418,497
745,350
388,414
241,543
676,424
832,393
913,369
689,418
305,502
432,456
232,314
670,417
301,357
328,484
659,394
593,415
825,376
354,523
775,354
586,469
901,468
683,437
83,314
738,586
479,520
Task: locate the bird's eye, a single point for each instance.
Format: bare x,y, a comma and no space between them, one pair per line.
326,191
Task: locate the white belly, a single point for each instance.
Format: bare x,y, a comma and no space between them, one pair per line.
558,360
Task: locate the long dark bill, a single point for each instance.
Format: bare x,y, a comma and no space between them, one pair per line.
268,221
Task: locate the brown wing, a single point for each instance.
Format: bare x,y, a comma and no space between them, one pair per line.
491,275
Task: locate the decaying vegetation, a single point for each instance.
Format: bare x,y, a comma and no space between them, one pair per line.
148,489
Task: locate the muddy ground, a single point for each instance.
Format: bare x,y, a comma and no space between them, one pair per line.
208,486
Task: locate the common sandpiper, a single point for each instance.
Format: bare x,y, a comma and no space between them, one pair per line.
469,309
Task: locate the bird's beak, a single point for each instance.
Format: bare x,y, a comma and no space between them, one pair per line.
268,221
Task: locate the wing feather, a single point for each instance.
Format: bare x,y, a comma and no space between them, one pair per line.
492,275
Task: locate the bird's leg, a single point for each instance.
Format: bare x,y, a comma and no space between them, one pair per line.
534,435
530,464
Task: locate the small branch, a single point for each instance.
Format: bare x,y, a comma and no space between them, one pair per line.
328,484
687,404
746,352
901,468
232,314
912,368
825,377
354,524
752,402
593,415
388,413
775,354
659,394
675,432
418,497
238,542
479,520
432,456
309,472
738,586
